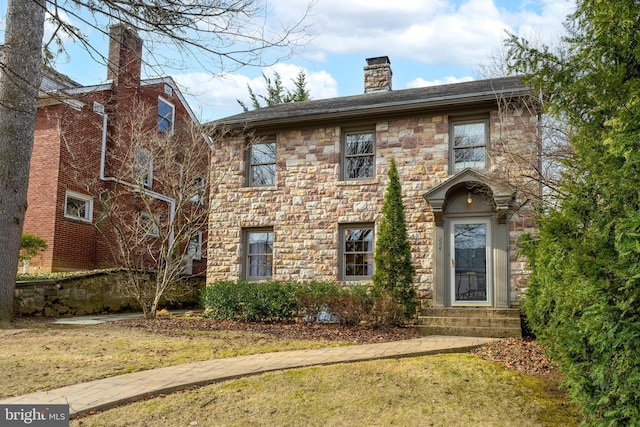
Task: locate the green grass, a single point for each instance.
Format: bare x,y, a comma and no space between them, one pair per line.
443,390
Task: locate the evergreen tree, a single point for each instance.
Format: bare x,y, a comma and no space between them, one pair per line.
394,270
583,300
276,92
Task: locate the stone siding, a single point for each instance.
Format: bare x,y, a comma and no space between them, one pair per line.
310,201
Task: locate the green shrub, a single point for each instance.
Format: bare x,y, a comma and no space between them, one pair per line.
313,300
286,301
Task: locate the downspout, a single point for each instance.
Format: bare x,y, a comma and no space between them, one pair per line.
158,196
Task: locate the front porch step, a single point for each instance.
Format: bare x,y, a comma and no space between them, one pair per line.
474,322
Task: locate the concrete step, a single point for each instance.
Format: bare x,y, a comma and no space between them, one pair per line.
470,331
479,322
470,312
473,322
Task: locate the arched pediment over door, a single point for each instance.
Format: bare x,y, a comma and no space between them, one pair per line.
471,238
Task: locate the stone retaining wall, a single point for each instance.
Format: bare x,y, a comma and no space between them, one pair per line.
93,293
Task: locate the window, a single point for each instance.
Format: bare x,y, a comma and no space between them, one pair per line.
469,144
358,155
262,164
259,254
166,113
197,191
356,245
149,224
144,167
78,206
194,249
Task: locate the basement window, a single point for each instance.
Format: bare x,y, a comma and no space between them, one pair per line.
78,206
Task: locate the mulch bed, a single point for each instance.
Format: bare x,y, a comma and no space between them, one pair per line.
524,355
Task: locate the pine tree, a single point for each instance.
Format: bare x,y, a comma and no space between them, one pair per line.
277,93
394,270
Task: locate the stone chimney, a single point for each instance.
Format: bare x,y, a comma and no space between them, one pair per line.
377,74
125,56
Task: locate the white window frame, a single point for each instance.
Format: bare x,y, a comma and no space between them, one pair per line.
144,167
198,197
88,211
153,221
162,119
194,249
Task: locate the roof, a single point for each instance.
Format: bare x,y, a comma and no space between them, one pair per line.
389,102
60,88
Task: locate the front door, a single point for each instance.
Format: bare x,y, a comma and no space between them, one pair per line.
470,253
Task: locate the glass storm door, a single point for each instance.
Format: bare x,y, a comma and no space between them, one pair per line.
470,253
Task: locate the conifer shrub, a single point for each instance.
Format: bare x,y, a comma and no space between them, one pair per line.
394,268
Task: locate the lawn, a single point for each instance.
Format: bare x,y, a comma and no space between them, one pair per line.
436,390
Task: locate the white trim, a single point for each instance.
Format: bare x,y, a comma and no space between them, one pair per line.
173,114
197,255
88,211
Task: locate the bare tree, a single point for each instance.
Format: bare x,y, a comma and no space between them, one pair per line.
155,234
533,154
218,34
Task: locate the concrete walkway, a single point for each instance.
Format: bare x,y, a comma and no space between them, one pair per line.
109,392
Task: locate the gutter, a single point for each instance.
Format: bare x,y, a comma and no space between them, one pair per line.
103,155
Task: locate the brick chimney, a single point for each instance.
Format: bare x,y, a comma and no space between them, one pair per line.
377,74
125,56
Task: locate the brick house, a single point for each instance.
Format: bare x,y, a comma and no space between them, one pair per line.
75,157
304,202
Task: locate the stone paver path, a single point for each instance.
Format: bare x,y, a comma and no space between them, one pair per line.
113,391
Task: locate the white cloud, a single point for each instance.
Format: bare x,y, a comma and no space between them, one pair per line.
435,32
420,82
219,94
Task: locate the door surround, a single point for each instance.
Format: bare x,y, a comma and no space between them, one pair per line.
468,195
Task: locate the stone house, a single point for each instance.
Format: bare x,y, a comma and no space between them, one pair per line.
304,183
79,139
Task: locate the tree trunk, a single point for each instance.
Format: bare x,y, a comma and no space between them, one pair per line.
20,76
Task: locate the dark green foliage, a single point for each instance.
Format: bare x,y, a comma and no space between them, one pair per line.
286,301
250,301
583,302
394,269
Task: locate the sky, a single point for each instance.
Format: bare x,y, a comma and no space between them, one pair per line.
427,41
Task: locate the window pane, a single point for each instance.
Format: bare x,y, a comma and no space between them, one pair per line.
76,207
263,175
263,153
469,135
260,253
263,164
358,252
165,116
359,155
359,167
463,155
143,167
359,143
